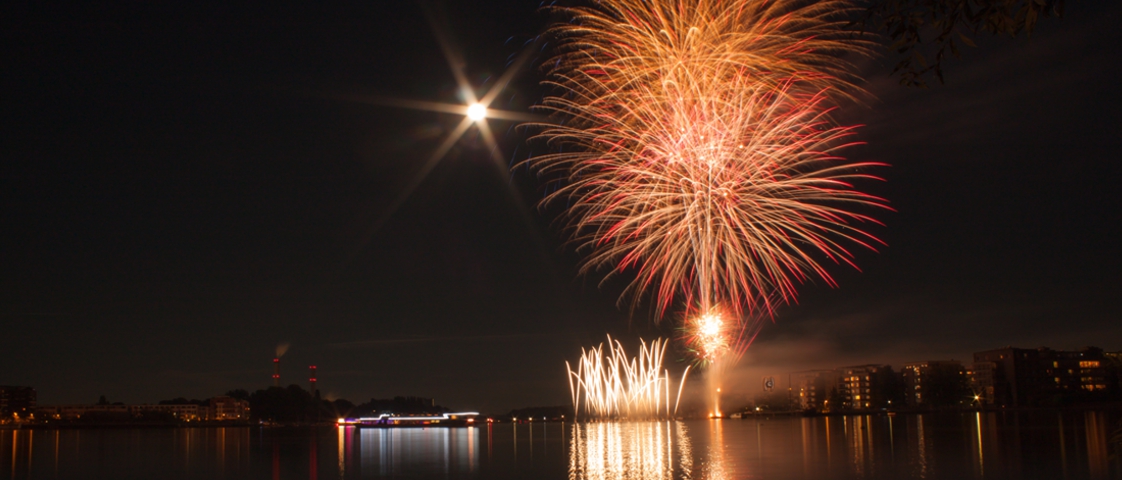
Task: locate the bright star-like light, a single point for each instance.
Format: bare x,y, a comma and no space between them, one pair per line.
477,112
475,109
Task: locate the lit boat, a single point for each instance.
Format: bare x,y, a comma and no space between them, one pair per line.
389,420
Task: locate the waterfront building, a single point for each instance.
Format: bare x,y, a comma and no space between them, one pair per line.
1075,372
981,378
866,387
187,412
1045,377
936,383
1016,377
216,409
227,408
16,403
814,388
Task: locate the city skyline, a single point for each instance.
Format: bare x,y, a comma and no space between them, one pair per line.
180,196
995,378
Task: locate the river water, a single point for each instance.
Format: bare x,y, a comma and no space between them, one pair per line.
1044,445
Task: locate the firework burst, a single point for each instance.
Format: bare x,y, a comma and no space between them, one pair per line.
697,148
708,336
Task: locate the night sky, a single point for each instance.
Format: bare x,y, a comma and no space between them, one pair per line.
183,189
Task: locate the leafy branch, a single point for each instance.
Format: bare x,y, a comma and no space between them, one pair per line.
942,26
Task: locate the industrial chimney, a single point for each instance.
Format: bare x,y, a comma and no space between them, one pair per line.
276,372
312,379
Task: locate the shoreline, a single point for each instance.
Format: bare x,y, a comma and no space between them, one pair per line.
747,416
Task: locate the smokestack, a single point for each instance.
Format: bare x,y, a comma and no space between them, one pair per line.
276,372
312,379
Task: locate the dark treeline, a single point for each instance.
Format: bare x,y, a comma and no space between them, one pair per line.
294,404
184,401
399,405
291,404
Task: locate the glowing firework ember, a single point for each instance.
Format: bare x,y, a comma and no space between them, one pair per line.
616,386
698,148
707,335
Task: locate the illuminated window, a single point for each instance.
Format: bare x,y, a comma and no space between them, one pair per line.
1089,364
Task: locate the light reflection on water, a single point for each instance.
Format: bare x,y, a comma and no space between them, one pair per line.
972,445
629,451
421,451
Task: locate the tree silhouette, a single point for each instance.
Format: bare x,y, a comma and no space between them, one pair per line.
922,32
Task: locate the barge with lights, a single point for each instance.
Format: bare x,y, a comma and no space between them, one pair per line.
389,420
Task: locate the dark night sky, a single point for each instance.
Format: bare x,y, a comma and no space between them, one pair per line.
178,195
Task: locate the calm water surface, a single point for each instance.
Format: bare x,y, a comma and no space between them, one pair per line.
1045,445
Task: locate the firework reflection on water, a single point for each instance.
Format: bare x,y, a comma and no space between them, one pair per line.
630,451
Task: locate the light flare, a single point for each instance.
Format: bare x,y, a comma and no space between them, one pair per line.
477,112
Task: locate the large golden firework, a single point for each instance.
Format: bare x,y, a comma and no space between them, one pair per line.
697,147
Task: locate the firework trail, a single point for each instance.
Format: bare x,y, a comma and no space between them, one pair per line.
609,384
697,149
